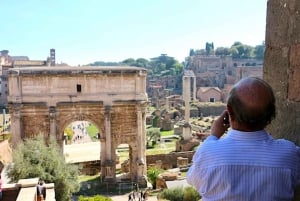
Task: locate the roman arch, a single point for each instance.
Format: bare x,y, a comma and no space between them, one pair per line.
47,99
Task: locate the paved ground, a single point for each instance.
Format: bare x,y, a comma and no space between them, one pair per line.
89,151
125,198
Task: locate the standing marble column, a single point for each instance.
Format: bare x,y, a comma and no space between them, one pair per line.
194,89
187,97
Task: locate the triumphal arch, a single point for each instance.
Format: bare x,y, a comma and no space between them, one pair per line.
47,99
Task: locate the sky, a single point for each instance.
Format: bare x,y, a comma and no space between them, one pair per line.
85,31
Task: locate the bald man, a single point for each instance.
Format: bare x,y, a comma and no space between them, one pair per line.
247,163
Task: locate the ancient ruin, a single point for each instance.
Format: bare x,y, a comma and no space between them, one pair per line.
186,94
44,100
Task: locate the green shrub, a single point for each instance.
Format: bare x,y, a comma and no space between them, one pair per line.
190,194
175,194
152,174
180,194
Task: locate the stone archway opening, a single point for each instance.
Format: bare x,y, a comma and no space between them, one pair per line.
123,165
82,146
79,132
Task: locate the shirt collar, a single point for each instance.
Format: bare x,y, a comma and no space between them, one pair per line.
241,135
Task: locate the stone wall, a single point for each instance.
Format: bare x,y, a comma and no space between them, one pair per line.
10,192
169,160
282,66
212,110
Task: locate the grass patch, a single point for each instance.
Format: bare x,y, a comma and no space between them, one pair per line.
163,148
83,178
92,131
123,155
166,133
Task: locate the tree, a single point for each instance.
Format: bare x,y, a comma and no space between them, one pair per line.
33,158
141,62
209,47
200,52
129,61
178,68
220,51
234,52
152,135
259,51
192,52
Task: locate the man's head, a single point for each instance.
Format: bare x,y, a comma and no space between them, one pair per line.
251,104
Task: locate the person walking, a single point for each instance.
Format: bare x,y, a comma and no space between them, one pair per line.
41,191
247,163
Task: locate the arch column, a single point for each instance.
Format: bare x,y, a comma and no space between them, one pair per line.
108,132
16,124
52,115
141,142
108,165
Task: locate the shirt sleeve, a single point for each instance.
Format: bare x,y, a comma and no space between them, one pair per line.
192,174
211,138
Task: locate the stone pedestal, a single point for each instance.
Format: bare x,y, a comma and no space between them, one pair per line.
187,131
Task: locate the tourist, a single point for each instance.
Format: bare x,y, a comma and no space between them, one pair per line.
129,197
146,195
41,191
247,163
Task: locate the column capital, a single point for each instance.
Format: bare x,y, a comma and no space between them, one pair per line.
52,112
142,105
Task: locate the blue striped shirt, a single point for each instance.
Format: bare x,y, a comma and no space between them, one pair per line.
245,166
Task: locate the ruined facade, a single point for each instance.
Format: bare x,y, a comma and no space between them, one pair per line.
214,71
47,99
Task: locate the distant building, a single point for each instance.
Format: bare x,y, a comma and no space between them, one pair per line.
7,62
20,58
22,63
52,57
217,71
4,84
209,94
5,59
247,71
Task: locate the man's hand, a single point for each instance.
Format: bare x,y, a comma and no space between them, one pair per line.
220,126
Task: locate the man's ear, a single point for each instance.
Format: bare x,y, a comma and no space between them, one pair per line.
229,110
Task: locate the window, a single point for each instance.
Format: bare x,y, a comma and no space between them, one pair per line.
79,88
211,99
